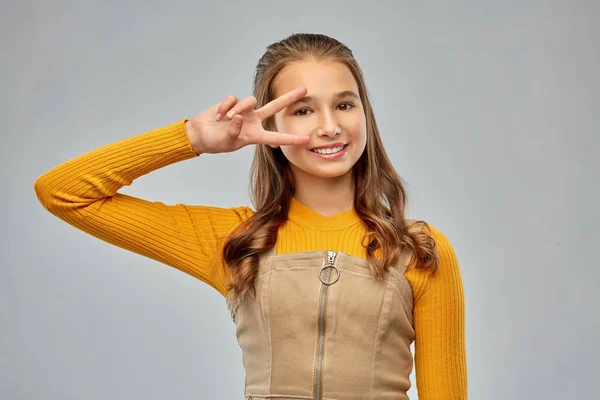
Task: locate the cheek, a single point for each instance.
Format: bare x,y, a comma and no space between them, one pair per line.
277,123
358,127
292,154
355,120
297,126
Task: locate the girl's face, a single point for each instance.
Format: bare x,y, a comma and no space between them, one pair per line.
331,114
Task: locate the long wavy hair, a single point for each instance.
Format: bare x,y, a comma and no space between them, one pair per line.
379,198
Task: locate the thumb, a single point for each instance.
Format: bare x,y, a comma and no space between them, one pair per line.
235,127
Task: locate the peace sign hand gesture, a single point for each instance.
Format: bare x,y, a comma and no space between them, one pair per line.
210,132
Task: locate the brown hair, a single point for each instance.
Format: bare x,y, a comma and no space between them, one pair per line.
379,200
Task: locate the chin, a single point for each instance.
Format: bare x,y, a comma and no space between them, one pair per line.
328,174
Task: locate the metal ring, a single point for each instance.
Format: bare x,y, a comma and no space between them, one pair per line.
329,282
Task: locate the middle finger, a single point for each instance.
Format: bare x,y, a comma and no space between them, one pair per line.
245,105
225,106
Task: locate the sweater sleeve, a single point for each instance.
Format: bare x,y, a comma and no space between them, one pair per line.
439,319
84,193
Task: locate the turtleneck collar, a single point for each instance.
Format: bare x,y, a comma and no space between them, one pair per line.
303,215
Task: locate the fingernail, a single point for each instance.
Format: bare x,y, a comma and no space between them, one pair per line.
218,116
230,114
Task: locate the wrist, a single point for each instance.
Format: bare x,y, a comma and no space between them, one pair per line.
192,137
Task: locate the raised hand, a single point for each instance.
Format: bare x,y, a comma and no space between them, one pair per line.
231,125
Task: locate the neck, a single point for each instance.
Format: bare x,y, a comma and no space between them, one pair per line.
326,196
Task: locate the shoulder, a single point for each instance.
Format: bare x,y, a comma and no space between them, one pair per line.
243,212
441,240
448,273
448,268
444,248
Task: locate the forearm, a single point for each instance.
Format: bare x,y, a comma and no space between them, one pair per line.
100,173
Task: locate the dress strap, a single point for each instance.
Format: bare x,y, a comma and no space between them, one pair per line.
270,252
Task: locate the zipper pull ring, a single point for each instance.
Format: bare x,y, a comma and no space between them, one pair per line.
329,266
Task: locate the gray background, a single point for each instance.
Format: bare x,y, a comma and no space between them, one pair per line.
490,111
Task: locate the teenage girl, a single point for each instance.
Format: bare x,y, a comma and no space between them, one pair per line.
327,281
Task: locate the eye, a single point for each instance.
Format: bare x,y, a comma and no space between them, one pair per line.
347,106
302,111
344,106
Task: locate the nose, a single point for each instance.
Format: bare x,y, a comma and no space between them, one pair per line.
328,124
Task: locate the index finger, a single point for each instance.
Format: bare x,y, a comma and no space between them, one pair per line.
282,139
274,106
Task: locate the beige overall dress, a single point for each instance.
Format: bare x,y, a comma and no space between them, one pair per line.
322,327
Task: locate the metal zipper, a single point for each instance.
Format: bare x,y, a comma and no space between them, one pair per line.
326,282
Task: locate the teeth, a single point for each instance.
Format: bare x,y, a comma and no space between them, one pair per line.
329,150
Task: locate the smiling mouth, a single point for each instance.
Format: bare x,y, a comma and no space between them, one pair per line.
330,150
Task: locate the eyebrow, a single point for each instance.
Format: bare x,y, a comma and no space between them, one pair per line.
337,96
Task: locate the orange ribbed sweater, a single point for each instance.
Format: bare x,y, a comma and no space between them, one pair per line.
84,193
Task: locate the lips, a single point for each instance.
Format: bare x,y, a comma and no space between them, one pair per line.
330,155
329,146
330,150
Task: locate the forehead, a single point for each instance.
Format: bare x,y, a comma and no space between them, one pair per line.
319,78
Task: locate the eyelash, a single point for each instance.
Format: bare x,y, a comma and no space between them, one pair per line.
302,109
